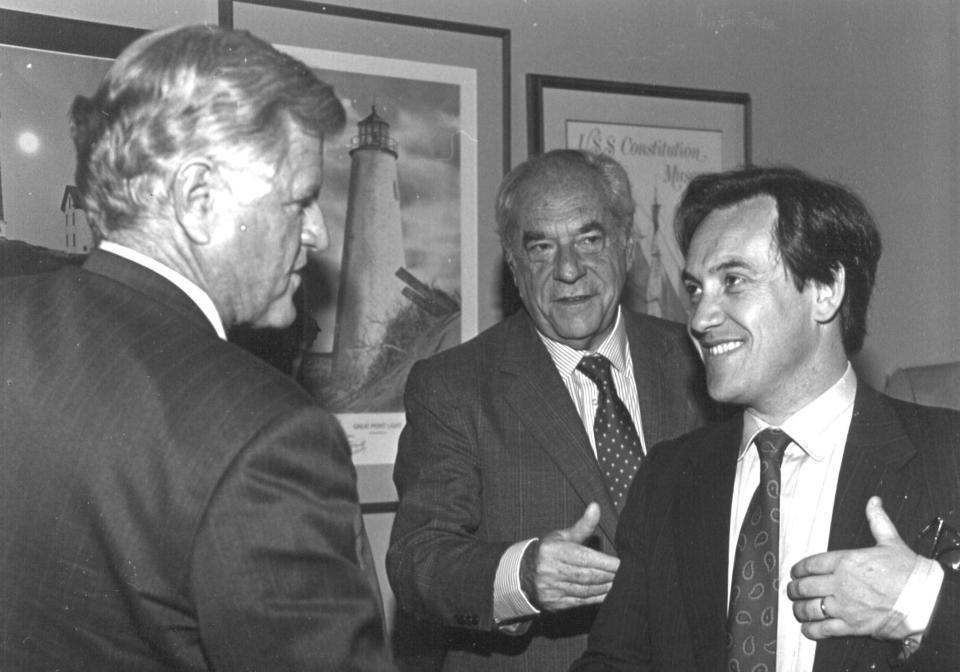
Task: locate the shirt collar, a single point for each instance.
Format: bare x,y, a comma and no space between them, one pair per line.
806,426
197,295
614,348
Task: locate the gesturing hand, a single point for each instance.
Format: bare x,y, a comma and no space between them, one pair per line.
565,573
841,593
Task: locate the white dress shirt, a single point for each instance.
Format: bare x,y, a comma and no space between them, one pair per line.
809,475
509,601
197,295
583,391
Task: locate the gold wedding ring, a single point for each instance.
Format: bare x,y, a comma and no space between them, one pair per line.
823,607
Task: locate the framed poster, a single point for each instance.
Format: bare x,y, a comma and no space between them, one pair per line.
662,136
406,187
45,62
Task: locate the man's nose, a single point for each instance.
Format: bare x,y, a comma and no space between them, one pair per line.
707,313
315,235
567,265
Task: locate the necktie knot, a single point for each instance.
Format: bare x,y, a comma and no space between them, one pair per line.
771,444
597,369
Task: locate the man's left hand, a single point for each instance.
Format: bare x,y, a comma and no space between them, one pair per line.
842,593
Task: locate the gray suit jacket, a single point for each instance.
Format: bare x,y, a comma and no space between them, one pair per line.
667,608
167,500
494,452
931,385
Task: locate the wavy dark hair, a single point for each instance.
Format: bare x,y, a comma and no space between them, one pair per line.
821,226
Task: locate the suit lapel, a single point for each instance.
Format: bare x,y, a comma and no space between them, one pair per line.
648,371
876,451
535,391
877,448
701,522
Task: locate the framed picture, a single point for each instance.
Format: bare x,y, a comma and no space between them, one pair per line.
406,187
45,62
662,136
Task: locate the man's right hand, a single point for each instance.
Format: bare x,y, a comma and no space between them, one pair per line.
561,573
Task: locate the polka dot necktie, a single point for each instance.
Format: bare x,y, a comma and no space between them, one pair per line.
618,446
752,619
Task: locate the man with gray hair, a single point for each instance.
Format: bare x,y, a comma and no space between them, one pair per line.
168,501
520,444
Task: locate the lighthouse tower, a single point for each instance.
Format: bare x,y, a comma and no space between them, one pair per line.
370,292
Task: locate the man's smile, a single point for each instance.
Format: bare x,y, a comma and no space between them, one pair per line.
719,349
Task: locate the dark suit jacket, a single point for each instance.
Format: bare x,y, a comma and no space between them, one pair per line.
167,501
494,452
667,608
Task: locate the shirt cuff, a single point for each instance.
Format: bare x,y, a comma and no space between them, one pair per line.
911,613
509,601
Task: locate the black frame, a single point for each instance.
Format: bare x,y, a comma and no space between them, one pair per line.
225,18
537,83
51,33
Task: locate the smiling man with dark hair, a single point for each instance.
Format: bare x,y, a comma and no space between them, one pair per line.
790,538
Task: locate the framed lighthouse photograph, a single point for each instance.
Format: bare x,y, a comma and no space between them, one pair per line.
409,188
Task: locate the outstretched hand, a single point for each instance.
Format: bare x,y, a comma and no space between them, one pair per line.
841,593
565,573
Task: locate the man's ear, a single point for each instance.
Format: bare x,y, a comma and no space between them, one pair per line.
510,259
194,193
829,296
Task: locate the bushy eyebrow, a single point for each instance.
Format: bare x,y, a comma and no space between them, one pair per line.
535,236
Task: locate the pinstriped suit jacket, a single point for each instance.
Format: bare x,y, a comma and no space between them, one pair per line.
167,501
494,452
667,608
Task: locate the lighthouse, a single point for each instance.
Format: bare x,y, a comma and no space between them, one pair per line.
370,292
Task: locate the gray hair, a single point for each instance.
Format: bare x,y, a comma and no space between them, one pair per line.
615,188
189,91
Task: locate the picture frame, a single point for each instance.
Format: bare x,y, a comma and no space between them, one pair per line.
400,70
46,61
663,136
